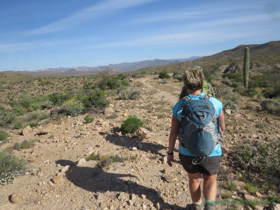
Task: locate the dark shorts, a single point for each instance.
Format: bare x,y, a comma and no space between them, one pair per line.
209,166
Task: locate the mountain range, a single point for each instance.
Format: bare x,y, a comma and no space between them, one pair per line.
118,68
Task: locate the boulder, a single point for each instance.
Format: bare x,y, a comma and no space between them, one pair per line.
26,130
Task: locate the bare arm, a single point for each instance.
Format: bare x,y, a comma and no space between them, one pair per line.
172,138
222,122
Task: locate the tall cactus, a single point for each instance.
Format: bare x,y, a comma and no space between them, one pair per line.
246,67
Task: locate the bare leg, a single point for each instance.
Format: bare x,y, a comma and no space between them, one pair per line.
210,187
194,185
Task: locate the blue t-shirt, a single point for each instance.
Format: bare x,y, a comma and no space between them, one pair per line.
218,107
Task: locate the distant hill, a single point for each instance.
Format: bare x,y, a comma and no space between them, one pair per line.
263,57
118,68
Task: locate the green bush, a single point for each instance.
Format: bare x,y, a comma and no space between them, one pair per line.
6,117
236,77
10,167
58,98
18,125
129,95
89,86
130,125
271,106
3,135
32,124
260,156
96,99
250,92
88,119
73,108
163,75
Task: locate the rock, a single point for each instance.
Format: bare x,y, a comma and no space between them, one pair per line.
143,133
65,168
275,206
170,179
122,196
26,130
16,198
43,131
258,195
84,133
108,111
249,197
81,161
134,148
228,111
143,196
258,207
57,179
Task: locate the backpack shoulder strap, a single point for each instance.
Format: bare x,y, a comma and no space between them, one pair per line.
207,97
186,98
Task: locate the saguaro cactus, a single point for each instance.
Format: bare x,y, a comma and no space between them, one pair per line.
246,67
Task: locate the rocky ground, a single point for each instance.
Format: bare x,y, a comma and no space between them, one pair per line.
59,177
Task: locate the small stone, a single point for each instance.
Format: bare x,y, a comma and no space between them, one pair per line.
258,195
158,206
65,168
143,196
84,133
81,161
16,198
134,148
249,197
57,179
108,111
170,179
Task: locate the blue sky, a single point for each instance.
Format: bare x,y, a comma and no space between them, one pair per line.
57,33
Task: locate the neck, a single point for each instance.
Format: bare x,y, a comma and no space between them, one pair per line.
194,93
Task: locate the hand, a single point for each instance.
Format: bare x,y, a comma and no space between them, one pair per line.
170,159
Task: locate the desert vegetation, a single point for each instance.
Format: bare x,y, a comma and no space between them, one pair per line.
143,100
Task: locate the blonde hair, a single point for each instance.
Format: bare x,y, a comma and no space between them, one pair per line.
193,79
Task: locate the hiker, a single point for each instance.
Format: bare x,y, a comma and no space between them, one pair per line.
209,167
207,87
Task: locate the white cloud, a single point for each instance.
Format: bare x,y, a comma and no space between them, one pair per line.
105,8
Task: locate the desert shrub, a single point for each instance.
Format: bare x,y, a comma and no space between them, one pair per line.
250,92
263,126
129,95
18,125
73,107
47,104
163,75
3,135
251,188
88,119
271,106
237,77
20,110
231,186
26,144
10,167
130,125
105,161
35,106
58,98
260,156
232,97
178,76
32,124
43,116
89,86
6,117
96,99
272,92
45,82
